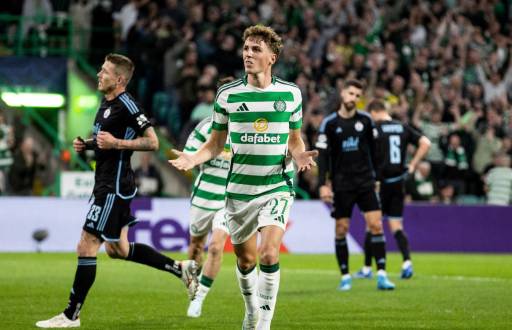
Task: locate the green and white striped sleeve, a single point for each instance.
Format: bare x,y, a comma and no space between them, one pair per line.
220,114
296,117
198,136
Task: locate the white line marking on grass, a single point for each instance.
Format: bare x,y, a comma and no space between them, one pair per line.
435,277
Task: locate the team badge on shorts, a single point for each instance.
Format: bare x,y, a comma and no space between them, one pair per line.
358,126
279,105
106,113
194,229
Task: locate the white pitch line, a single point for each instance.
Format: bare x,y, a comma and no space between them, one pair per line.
435,277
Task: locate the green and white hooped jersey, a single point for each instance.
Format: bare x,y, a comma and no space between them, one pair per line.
210,185
258,121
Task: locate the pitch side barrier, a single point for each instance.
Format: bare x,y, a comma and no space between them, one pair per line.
163,223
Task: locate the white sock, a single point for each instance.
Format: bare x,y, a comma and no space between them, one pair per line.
346,276
367,269
202,291
268,286
249,287
406,264
382,272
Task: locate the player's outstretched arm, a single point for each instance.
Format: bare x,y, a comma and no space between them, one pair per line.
147,142
209,150
303,159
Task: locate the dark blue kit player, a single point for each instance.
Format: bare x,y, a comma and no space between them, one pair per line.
119,129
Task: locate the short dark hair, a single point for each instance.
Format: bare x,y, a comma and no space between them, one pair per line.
124,66
376,105
267,34
354,83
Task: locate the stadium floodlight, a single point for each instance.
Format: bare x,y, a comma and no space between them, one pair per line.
35,100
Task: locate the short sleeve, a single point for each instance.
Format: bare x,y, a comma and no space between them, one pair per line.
220,114
322,141
296,117
413,136
136,117
198,136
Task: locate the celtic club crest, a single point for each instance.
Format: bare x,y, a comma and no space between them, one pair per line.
279,105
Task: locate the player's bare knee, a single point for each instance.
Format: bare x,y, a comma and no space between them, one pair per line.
215,250
196,251
375,227
246,262
197,248
87,247
341,229
269,255
82,249
395,225
111,252
115,251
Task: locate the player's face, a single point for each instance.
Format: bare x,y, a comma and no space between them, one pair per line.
107,78
258,57
350,96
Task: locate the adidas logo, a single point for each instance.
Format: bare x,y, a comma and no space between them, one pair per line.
265,307
90,225
243,107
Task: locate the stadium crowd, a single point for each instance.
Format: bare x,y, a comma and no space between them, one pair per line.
444,67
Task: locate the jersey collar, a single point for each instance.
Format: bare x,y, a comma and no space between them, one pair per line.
244,80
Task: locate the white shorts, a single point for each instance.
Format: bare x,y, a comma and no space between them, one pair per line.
204,221
246,217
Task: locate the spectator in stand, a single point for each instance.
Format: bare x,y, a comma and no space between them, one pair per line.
206,96
38,16
126,17
421,186
23,170
496,86
447,66
506,145
455,163
102,36
148,178
81,14
447,193
227,57
499,181
186,84
428,120
487,145
8,29
6,144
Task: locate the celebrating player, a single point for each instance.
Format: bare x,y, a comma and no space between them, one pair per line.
263,115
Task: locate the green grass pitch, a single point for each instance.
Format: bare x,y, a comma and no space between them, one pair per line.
448,291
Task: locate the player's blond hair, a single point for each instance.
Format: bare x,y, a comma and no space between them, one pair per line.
267,34
123,66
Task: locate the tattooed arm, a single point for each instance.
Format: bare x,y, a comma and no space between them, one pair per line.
147,142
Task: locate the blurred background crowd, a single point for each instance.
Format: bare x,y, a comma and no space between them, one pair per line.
442,66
